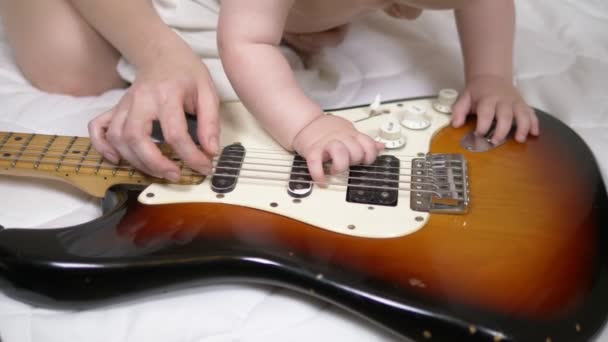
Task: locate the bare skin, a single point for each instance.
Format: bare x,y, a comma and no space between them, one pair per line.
82,40
254,28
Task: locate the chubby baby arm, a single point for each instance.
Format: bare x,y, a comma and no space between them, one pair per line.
486,31
248,36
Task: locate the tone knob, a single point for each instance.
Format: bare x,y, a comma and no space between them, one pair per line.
390,135
445,100
415,117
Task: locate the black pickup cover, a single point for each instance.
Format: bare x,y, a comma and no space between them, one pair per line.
376,184
228,169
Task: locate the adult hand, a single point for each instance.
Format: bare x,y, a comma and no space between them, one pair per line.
162,91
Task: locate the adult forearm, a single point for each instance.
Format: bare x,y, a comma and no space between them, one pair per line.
486,29
133,27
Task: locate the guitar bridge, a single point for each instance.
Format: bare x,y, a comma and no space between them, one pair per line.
440,184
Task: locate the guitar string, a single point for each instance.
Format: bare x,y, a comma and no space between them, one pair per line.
248,150
96,156
160,145
139,176
357,186
297,173
301,169
399,189
225,168
293,166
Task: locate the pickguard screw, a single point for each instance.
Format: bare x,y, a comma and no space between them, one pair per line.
150,194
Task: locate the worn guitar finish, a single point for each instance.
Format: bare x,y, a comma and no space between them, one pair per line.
528,262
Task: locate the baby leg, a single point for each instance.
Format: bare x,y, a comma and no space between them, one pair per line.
57,50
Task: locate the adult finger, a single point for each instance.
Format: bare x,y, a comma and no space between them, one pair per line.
175,131
97,132
137,145
207,112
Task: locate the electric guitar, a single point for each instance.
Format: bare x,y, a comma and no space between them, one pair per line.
446,237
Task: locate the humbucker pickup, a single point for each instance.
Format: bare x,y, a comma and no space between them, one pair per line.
376,184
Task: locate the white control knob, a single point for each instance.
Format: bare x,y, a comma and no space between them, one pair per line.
445,100
390,135
415,117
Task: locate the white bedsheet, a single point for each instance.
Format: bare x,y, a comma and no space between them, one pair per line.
561,67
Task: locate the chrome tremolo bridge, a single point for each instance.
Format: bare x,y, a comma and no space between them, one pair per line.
440,184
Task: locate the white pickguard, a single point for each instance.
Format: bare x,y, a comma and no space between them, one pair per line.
325,208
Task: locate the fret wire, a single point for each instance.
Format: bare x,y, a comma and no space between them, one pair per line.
62,157
267,151
99,165
23,147
45,151
5,140
84,156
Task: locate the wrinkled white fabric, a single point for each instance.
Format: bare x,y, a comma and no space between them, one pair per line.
561,67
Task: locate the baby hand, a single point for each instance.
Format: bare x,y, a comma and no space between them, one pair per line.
332,138
494,97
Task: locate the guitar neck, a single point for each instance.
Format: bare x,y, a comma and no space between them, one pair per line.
73,160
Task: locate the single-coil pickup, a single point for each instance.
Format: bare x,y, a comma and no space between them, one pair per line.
228,168
300,181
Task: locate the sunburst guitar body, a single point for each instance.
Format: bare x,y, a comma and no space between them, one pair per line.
444,238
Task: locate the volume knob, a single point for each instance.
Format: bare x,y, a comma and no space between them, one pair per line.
445,100
415,117
390,135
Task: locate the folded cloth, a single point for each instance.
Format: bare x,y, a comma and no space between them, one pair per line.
329,77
